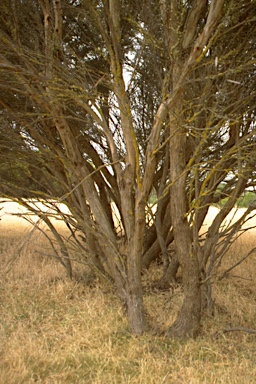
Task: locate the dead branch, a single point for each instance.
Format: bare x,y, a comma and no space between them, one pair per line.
253,250
239,329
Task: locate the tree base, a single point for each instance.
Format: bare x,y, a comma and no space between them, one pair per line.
183,330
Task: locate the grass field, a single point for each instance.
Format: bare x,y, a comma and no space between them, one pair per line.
53,330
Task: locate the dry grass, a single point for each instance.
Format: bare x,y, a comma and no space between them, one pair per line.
57,331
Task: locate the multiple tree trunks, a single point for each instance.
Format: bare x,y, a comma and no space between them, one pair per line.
110,102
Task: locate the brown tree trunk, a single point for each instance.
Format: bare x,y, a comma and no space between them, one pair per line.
135,307
188,320
207,302
171,271
153,252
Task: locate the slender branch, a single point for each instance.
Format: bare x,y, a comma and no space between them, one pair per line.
253,250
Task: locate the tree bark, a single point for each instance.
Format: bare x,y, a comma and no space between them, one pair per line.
187,323
188,320
136,315
135,307
169,276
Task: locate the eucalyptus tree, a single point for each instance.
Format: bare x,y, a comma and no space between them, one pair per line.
119,100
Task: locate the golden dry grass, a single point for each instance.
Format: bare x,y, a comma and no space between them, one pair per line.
58,331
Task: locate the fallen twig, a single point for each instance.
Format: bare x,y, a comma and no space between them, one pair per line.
241,329
235,329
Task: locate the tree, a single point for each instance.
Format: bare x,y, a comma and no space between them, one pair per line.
118,100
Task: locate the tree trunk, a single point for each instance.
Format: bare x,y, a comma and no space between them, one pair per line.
171,272
207,302
135,307
169,278
153,252
188,320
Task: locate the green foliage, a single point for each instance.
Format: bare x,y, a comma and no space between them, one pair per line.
246,199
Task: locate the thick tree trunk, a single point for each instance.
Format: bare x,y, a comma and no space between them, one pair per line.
188,320
135,307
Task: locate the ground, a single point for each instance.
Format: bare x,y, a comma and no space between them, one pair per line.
53,330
